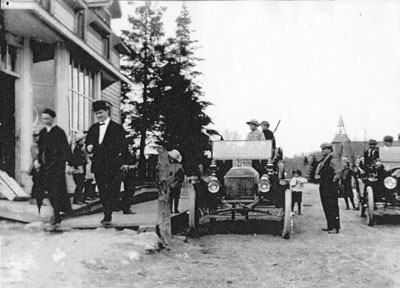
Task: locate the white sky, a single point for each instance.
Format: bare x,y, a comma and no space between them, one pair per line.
301,62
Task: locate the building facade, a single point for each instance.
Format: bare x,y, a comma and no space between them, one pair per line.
58,54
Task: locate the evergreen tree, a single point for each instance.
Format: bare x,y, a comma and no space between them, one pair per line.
183,119
145,39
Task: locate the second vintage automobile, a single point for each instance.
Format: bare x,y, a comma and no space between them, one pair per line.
382,186
246,179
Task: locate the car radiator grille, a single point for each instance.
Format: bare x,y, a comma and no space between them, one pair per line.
239,187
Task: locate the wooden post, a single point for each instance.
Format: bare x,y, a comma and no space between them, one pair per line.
164,211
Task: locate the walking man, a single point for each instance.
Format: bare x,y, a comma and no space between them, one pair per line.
106,140
54,151
328,170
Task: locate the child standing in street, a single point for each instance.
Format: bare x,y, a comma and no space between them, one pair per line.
297,186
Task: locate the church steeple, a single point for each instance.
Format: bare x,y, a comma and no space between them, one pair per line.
340,140
341,135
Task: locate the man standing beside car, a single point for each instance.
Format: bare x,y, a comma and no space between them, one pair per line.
328,171
106,140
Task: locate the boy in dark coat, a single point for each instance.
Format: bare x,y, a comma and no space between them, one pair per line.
54,151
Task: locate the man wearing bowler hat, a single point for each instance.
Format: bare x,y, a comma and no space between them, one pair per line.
106,140
328,171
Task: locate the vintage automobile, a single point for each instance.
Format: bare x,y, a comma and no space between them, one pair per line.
382,187
245,179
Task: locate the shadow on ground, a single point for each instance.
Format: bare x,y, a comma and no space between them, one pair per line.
241,227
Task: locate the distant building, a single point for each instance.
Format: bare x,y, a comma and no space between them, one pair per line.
344,147
60,54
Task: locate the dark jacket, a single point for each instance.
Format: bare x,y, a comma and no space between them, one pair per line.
110,155
177,176
269,135
78,157
370,156
329,171
54,151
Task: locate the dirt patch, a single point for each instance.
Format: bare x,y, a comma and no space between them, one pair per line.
244,255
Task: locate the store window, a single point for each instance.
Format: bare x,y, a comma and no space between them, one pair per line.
82,94
80,23
43,80
106,46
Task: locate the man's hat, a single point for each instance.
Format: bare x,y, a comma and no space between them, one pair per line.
101,105
254,122
176,155
326,145
265,122
372,142
388,138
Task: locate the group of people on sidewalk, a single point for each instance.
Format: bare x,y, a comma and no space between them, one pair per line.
102,157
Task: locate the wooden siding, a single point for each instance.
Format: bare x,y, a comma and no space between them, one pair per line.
115,58
64,14
94,40
113,94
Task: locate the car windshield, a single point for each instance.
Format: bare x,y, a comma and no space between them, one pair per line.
242,149
390,157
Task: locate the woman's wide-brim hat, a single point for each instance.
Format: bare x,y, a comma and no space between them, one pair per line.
176,155
254,122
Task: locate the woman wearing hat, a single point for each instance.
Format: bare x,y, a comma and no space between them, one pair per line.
177,176
254,133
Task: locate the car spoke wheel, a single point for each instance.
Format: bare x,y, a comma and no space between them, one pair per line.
371,205
288,214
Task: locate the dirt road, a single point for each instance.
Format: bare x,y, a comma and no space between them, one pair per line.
360,256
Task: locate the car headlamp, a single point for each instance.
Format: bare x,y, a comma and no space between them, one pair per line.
213,186
263,185
390,182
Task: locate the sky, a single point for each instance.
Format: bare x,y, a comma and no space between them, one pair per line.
304,63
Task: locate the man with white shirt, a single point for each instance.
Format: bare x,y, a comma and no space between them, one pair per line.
106,140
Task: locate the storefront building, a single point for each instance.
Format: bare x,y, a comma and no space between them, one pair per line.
58,54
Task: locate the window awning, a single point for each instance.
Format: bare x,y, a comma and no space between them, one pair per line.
120,46
98,24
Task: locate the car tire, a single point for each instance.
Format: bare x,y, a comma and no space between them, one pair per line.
371,205
288,215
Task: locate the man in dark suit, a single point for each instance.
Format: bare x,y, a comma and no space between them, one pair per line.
106,140
372,154
268,134
54,152
328,171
